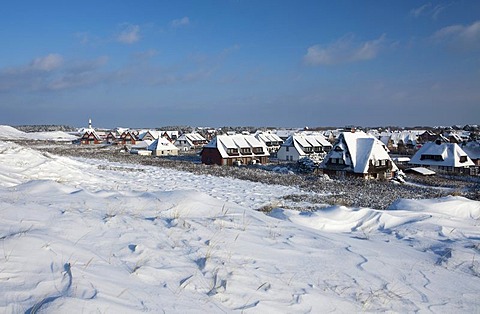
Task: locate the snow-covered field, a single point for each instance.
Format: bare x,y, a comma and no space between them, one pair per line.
85,236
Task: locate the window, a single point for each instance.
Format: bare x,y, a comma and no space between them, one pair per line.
258,150
463,158
287,148
432,157
339,161
232,151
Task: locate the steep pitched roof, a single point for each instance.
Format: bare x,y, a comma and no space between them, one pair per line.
449,155
357,149
154,134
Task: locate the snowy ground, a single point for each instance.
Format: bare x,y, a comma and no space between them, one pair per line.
88,236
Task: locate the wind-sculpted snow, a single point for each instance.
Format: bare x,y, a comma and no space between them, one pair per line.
76,237
10,133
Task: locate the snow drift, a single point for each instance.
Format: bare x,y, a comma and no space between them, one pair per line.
81,235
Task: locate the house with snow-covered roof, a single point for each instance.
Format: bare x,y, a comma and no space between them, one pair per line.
128,137
300,145
90,136
439,155
162,147
238,149
359,154
171,136
148,135
189,141
427,136
472,149
402,142
271,140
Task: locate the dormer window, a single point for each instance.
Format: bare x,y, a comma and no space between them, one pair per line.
232,151
258,150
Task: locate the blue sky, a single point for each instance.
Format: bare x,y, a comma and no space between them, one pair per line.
241,62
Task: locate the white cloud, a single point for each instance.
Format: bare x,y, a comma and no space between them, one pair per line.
459,36
52,73
47,63
420,10
344,50
130,34
184,21
429,10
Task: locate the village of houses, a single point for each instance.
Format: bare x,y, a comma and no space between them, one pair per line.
349,151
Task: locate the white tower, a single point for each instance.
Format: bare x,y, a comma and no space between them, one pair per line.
89,123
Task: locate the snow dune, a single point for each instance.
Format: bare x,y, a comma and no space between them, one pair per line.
79,236
10,133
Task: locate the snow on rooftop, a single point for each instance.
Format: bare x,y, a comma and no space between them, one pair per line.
422,170
449,155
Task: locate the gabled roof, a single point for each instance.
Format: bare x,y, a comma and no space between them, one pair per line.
361,148
161,144
90,132
191,138
317,139
153,133
450,154
237,141
268,137
307,140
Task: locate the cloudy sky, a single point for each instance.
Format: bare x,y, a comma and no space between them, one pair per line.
152,63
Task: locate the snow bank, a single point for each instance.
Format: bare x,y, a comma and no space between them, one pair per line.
10,133
120,238
450,206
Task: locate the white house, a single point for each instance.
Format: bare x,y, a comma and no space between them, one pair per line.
300,145
189,141
359,154
271,140
162,147
442,156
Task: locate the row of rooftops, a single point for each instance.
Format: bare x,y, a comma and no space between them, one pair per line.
271,140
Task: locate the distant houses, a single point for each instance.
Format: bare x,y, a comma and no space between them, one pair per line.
189,141
238,149
299,145
353,153
128,137
90,137
400,142
361,155
271,140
